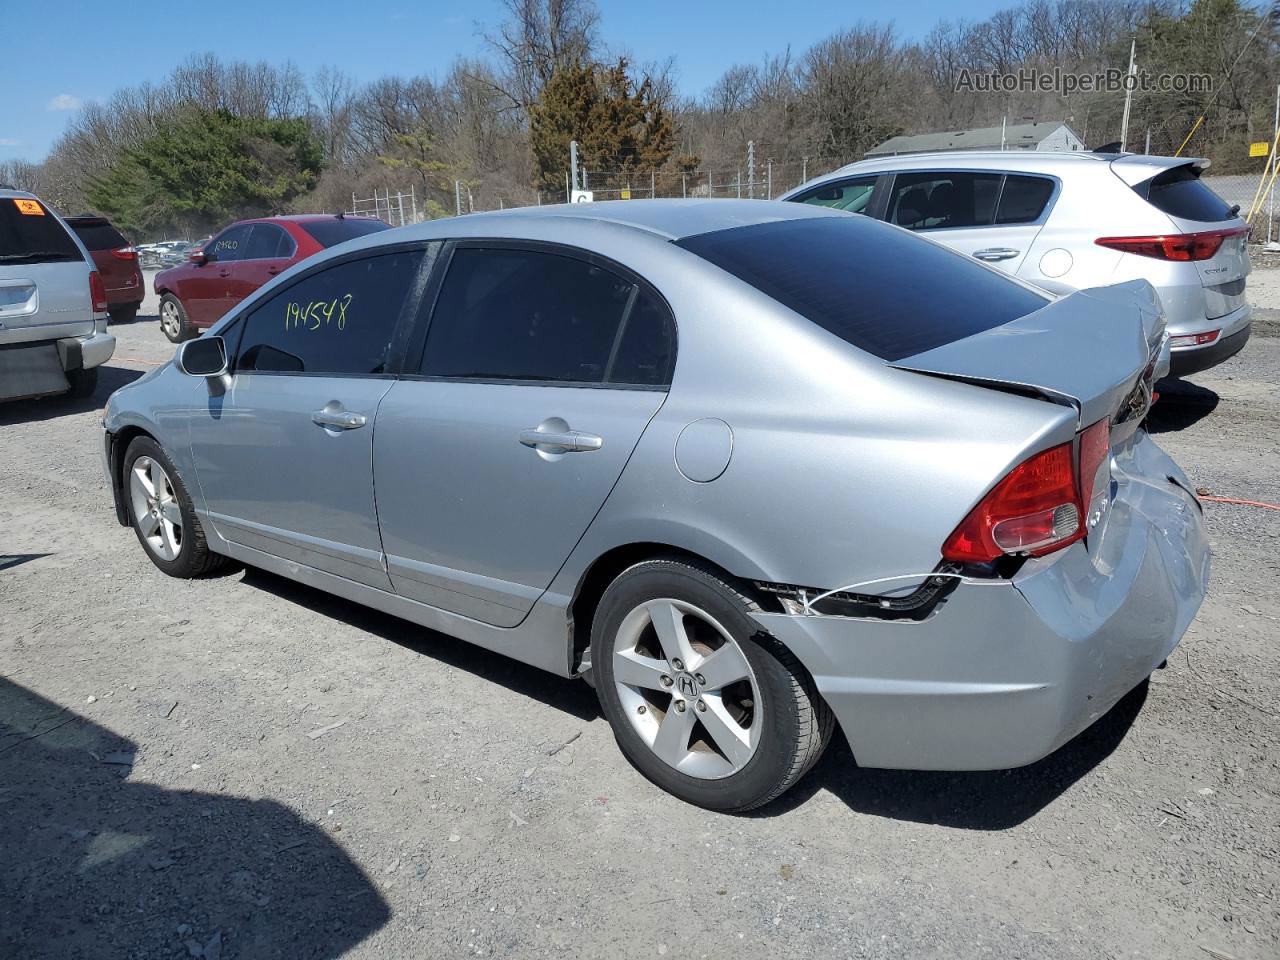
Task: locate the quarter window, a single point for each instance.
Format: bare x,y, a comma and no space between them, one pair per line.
852,195
340,320
510,314
1023,199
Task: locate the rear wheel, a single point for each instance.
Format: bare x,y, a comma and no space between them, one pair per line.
125,313
83,382
173,319
161,513
702,701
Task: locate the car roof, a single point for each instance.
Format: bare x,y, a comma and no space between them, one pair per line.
668,219
1045,161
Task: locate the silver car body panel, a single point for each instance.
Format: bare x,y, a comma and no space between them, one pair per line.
1093,198
831,468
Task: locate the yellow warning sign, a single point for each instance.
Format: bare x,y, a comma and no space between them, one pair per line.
1259,149
626,193
31,208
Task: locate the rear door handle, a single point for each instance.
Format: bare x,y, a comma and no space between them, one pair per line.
339,419
992,254
568,441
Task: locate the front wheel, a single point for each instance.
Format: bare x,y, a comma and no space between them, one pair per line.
174,323
702,701
161,513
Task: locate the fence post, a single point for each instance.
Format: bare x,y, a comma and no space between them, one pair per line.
457,198
804,169
751,169
684,182
413,199
738,180
573,164
769,174
653,185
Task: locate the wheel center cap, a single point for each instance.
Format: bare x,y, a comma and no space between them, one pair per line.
686,685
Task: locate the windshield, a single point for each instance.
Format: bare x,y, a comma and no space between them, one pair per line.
879,288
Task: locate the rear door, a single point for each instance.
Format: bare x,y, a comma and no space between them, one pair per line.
44,276
989,215
285,455
542,366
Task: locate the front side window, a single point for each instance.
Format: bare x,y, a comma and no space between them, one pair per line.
511,314
853,195
340,320
936,201
230,244
268,242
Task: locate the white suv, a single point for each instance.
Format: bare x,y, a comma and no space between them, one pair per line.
53,304
1065,221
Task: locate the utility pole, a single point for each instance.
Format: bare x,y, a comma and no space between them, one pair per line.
653,186
751,169
769,181
1147,150
1004,122
573,163
1271,210
1128,97
684,185
804,169
457,197
738,180
413,200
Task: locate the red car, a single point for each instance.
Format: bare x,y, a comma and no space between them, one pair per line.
117,263
242,258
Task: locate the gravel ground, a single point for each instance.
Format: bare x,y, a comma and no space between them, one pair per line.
243,767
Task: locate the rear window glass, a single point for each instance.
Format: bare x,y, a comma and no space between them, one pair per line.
1179,193
29,233
328,233
882,290
98,235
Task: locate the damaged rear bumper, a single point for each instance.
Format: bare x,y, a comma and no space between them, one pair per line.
1006,671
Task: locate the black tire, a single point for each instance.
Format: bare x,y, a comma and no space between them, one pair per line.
797,723
175,325
125,313
83,382
194,558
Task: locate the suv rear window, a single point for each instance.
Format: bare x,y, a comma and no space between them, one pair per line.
98,234
1179,193
34,236
328,233
880,289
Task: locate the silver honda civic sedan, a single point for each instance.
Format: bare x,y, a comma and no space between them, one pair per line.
751,469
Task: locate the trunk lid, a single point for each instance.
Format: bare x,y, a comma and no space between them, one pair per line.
1098,350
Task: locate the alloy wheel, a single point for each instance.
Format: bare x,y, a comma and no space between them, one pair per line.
170,322
155,508
687,688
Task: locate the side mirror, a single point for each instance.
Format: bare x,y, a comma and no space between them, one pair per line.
199,258
203,357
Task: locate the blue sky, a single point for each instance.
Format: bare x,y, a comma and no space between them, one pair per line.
60,53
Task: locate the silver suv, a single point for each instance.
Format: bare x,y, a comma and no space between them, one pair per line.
53,304
1066,221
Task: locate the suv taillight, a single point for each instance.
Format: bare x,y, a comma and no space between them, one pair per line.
125,253
97,292
1038,507
1177,246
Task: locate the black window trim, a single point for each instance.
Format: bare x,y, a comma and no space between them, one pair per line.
416,345
1003,174
267,223
404,322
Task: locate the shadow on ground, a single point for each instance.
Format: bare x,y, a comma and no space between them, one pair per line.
1181,405
110,379
995,800
96,865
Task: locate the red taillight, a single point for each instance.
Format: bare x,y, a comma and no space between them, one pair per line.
97,292
1194,339
125,253
1039,507
1178,246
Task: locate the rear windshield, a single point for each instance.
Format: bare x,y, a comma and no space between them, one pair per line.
327,233
29,233
883,290
98,234
1179,193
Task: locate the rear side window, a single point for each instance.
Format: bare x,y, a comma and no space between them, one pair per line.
936,201
268,242
339,320
98,234
884,291
852,195
1023,199
509,314
29,233
328,233
1179,193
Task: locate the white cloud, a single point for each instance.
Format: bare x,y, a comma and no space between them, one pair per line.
9,142
65,101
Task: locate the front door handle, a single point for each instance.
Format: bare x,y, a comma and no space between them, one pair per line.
338,419
992,254
563,441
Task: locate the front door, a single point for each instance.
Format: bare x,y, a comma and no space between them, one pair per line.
541,369
204,289
284,457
